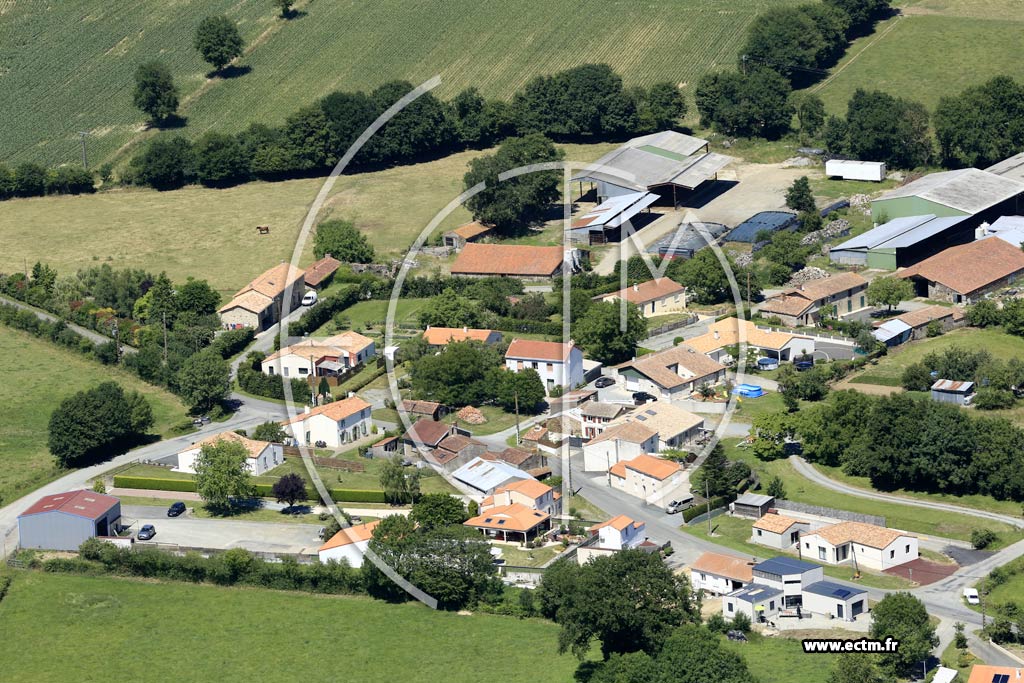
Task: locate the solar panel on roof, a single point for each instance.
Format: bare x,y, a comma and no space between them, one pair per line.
642,418
1000,678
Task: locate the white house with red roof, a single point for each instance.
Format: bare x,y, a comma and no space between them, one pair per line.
336,424
261,455
557,364
63,521
331,356
618,533
442,336
348,545
646,477
528,492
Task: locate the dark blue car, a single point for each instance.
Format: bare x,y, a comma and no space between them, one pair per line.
176,509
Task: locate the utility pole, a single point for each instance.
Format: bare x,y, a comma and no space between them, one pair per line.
117,342
707,498
515,394
164,317
83,134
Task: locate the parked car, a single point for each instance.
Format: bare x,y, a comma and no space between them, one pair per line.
147,532
603,382
309,298
202,420
971,596
176,509
642,397
677,506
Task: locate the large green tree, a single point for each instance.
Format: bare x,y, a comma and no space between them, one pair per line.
889,291
856,668
204,379
342,240
437,511
704,276
220,159
799,196
463,373
717,476
751,104
903,617
514,204
881,127
221,473
218,41
401,484
451,310
628,602
981,125
155,94
95,422
522,390
693,654
269,431
167,163
609,335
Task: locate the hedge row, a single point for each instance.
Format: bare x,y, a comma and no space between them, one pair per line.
527,326
262,488
698,510
314,318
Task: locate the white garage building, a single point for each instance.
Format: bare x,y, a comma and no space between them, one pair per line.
868,545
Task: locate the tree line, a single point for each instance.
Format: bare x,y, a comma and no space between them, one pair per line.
588,102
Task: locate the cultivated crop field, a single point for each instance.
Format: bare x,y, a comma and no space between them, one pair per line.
173,632
37,376
211,233
938,47
50,94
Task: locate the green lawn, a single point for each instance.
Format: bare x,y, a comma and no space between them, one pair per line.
749,408
241,635
37,376
521,557
497,420
921,521
734,532
782,659
580,507
369,317
903,58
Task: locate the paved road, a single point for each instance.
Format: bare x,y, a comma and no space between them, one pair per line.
91,335
222,534
807,470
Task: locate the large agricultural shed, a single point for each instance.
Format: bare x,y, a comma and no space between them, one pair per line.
982,195
604,222
669,163
768,221
1012,167
63,521
903,242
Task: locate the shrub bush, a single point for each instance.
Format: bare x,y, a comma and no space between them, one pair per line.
154,483
698,510
230,342
982,538
324,310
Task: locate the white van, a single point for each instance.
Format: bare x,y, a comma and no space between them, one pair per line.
309,299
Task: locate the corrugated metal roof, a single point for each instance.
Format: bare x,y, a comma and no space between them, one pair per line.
485,475
1012,167
953,386
754,499
966,189
890,329
901,232
616,211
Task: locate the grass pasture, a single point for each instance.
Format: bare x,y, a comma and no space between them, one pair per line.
325,638
936,48
496,47
211,233
37,376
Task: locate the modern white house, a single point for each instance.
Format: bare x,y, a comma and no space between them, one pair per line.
789,575
528,492
718,574
336,424
348,545
729,332
646,477
835,599
651,428
675,373
559,365
618,533
262,455
758,601
778,531
331,356
868,545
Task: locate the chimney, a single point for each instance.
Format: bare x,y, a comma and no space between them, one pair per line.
636,288
306,410
465,329
716,334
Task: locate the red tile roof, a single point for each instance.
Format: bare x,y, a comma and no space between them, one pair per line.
646,465
646,292
972,266
353,534
724,565
508,259
514,517
427,432
338,410
87,504
439,336
528,487
618,523
321,270
468,231
528,349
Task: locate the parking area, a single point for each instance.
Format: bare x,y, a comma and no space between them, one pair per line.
923,571
223,534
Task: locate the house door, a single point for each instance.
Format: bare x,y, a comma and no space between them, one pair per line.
102,527
856,608
839,611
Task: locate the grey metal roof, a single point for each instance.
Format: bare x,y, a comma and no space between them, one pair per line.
615,211
756,592
1013,167
688,237
782,565
598,409
1007,223
900,232
665,158
890,329
754,499
831,589
486,475
966,189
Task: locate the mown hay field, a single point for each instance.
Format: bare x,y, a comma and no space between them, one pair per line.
67,66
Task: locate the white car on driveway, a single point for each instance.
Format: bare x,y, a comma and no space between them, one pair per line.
309,298
971,596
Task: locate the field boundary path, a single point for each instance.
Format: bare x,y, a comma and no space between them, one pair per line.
808,471
91,335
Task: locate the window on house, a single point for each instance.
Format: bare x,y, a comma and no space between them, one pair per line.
303,371
551,367
892,554
759,532
270,370
771,606
285,370
729,607
822,554
907,549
